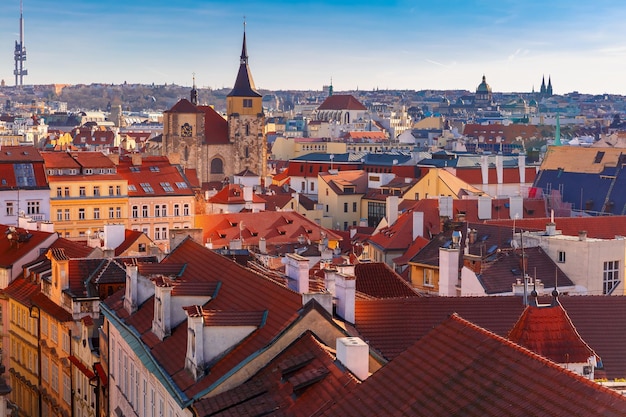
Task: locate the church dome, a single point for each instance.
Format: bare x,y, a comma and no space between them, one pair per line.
483,87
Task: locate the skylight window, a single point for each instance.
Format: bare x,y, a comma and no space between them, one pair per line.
167,187
155,169
131,187
134,169
147,187
181,185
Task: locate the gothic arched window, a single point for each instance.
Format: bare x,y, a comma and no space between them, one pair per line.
217,167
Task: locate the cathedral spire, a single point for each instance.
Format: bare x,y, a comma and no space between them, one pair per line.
244,85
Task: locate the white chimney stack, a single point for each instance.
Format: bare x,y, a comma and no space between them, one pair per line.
297,269
418,224
516,209
484,168
353,353
392,209
114,235
345,291
484,207
448,271
521,164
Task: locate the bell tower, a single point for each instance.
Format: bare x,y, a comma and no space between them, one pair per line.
246,121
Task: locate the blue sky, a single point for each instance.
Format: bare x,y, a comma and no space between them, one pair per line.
446,44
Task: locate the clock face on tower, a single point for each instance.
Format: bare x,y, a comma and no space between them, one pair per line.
186,130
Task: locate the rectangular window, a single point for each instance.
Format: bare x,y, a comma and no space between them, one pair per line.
132,383
32,207
66,213
164,233
54,333
354,206
247,102
118,190
10,208
44,325
54,377
66,342
111,212
118,212
110,190
81,214
176,210
59,192
164,210
610,276
96,213
82,192
345,207
59,214
112,367
561,256
157,233
157,211
428,277
186,210
312,186
96,191
144,211
67,389
135,212
66,191
44,368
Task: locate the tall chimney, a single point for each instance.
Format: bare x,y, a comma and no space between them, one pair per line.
345,290
162,317
484,168
418,224
353,353
194,359
499,168
521,164
516,209
448,271
130,296
484,207
297,269
392,209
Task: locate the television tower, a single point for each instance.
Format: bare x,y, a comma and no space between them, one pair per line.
20,54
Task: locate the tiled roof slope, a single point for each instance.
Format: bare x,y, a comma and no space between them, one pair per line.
215,126
11,250
240,290
461,369
158,173
341,102
580,159
297,382
392,325
277,227
548,331
498,275
396,236
183,106
378,280
599,227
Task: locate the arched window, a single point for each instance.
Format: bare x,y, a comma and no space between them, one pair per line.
217,167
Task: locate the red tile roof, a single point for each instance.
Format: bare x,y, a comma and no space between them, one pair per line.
391,325
278,228
341,102
13,250
378,280
459,368
241,290
599,227
233,194
183,106
19,154
398,236
297,382
59,160
22,291
548,331
163,178
215,127
130,237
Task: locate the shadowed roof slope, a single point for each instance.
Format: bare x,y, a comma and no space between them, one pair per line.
460,369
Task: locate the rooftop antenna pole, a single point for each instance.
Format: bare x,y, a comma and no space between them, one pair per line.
20,53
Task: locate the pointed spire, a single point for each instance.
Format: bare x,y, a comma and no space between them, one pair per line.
244,85
244,50
194,91
330,89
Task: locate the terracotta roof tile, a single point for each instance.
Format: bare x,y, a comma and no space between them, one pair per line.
341,102
384,323
215,126
378,280
459,368
548,331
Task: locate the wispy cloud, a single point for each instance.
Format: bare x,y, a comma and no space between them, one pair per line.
440,64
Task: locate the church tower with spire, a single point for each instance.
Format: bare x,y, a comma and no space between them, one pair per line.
246,121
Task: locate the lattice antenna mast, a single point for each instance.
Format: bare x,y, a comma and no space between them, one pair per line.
20,53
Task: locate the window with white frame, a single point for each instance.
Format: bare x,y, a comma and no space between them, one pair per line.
44,368
54,377
428,277
561,256
176,210
135,212
54,333
66,342
67,389
144,211
185,209
610,276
